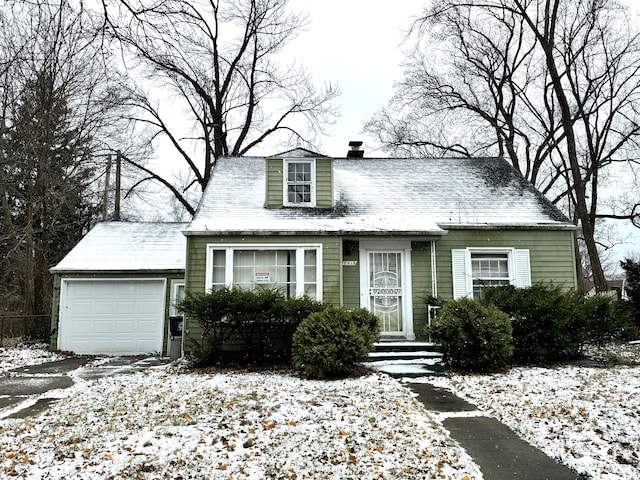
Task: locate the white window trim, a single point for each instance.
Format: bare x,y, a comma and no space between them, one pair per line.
229,248
285,184
175,284
518,263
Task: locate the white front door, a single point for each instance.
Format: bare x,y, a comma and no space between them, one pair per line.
386,289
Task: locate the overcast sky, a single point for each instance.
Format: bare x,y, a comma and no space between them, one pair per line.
356,44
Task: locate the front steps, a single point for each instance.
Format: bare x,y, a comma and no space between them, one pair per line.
406,358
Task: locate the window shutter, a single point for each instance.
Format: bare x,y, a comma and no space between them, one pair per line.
523,268
459,270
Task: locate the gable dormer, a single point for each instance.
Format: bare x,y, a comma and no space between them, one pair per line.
299,179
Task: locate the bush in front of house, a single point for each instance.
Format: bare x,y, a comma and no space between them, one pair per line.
632,289
602,319
550,323
330,343
246,326
540,317
474,336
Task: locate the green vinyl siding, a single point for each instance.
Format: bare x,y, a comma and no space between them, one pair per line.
324,183
421,284
275,182
57,284
551,253
351,274
551,259
197,261
275,178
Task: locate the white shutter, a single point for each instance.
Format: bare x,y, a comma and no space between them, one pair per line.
461,286
522,268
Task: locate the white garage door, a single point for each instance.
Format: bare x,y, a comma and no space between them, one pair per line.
116,317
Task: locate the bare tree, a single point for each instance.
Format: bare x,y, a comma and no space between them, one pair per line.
552,85
217,61
60,108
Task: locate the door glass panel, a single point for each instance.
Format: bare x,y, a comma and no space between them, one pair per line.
385,290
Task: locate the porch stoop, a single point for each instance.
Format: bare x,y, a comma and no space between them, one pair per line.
406,358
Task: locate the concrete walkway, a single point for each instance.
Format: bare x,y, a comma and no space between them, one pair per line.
495,448
26,391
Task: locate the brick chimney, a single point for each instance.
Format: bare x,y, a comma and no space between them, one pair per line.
355,151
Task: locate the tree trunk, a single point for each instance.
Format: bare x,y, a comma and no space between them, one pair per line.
547,41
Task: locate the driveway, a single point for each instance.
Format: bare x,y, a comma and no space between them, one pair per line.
26,391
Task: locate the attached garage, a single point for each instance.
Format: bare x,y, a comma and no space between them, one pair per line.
116,290
112,316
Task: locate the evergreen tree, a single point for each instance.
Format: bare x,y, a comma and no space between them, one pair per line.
48,204
632,272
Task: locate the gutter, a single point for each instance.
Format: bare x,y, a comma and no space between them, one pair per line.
511,226
346,233
154,271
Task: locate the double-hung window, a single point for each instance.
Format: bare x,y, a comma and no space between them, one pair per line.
295,270
489,270
475,269
299,183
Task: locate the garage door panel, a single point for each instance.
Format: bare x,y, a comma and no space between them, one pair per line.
112,316
102,326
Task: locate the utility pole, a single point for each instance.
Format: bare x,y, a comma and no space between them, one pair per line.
116,209
107,184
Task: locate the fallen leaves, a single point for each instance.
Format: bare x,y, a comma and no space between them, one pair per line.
563,410
172,426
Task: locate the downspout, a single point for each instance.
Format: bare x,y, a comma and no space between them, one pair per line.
434,273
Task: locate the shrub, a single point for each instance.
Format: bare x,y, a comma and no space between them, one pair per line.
540,317
602,319
242,325
330,343
474,337
632,273
551,324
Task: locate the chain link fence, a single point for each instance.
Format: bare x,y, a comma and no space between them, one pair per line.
17,327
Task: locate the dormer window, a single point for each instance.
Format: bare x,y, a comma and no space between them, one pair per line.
299,183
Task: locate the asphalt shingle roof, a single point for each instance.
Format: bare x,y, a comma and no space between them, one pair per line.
425,196
123,246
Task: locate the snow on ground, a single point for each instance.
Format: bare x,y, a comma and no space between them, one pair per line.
24,355
165,425
586,417
161,424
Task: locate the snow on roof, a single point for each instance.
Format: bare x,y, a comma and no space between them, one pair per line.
123,246
420,196
298,153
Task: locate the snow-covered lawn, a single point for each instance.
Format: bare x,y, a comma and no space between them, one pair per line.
161,424
588,418
165,425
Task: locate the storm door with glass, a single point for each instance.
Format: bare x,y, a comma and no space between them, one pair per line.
386,290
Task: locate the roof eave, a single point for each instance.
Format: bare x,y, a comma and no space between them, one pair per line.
81,271
289,233
509,226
